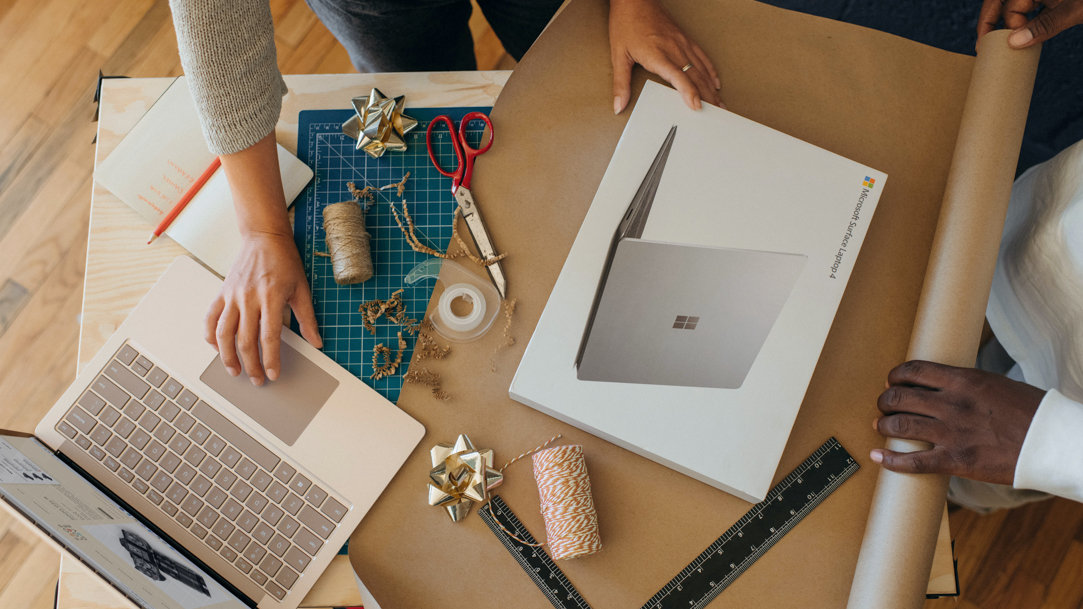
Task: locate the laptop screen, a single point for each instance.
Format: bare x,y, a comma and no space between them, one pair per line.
102,533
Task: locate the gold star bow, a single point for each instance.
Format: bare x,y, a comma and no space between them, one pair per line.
461,475
378,124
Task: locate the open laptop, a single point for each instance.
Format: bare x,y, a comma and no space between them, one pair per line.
679,314
187,488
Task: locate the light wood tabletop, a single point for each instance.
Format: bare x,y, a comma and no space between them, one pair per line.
121,267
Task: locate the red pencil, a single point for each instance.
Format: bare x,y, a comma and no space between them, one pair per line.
184,200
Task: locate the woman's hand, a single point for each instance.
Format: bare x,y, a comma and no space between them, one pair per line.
641,31
267,276
247,315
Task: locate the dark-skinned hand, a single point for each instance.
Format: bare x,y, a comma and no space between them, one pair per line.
1055,17
975,421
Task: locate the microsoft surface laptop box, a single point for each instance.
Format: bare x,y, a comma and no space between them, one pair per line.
679,314
219,494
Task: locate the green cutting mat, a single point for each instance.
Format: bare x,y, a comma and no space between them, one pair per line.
335,161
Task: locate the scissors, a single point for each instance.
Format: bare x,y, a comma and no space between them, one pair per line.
460,188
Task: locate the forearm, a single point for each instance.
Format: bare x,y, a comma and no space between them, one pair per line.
256,183
228,54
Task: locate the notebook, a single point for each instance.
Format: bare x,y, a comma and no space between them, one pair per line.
160,158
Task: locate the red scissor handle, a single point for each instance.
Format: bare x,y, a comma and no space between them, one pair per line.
464,152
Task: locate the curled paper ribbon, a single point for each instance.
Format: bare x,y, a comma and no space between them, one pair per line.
461,475
378,124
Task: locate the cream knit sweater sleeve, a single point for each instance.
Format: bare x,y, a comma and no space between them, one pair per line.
227,50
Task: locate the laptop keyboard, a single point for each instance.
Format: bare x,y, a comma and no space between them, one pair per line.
226,488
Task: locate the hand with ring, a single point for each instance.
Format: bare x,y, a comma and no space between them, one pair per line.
641,31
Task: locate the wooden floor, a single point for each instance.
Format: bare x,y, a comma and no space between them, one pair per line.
50,55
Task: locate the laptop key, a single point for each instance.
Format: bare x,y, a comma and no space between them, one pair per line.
139,439
187,399
223,528
179,444
200,434
244,566
184,520
207,516
256,502
286,578
300,484
153,400
308,542
288,526
235,436
198,531
210,467
192,505
184,422
176,493
169,411
246,469
277,492
195,455
285,473
83,442
247,521
169,462
200,486
91,402
134,410
101,434
108,390
169,508
228,554
171,388
66,429
272,514
127,379
115,446
238,541
149,421
241,491
124,428
231,509
109,416
334,510
126,475
155,450
143,362
259,577
270,565
127,354
111,463
80,419
164,433
263,533
145,469
230,457
185,473
156,377
297,559
215,445
214,542
154,497
254,552
140,486
216,497
315,496
292,504
278,545
161,481
131,457
225,478
275,591
313,520
261,480
97,453
139,368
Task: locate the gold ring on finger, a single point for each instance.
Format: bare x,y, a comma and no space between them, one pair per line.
686,67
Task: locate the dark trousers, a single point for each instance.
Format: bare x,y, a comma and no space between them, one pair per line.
427,35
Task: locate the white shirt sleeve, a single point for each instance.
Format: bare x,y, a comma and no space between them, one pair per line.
1051,459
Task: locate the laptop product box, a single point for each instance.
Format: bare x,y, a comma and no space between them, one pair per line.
691,310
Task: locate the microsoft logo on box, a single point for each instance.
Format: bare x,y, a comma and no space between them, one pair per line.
869,182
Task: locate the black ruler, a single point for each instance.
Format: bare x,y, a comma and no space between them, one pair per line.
535,561
731,554
722,562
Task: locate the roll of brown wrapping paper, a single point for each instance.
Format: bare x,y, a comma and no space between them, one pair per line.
900,536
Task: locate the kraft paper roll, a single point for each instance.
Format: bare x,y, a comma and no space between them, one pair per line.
897,549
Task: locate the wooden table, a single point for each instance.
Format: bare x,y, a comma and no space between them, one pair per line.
120,267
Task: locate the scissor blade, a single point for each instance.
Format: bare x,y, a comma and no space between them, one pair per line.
481,238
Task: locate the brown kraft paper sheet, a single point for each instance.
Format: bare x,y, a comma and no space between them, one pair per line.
881,100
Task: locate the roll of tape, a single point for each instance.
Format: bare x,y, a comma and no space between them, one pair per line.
468,322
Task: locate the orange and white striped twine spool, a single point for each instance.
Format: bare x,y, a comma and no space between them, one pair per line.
567,507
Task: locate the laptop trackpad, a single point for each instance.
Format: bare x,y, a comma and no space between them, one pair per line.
284,407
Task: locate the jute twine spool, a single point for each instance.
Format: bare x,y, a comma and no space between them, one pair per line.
571,523
347,242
